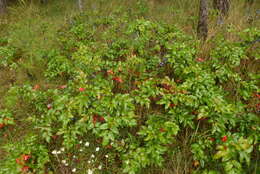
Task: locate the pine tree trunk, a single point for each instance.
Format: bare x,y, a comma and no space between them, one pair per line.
222,6
248,5
2,6
43,1
202,30
80,5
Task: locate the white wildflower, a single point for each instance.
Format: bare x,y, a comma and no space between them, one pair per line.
74,156
97,149
63,161
106,156
81,150
62,149
89,162
100,167
80,142
87,144
58,152
90,171
67,164
54,152
74,170
92,156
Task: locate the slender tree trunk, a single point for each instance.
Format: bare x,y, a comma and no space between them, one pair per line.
43,1
223,7
2,6
248,5
202,30
80,5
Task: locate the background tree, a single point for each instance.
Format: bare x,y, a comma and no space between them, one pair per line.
2,6
202,29
43,1
80,5
223,7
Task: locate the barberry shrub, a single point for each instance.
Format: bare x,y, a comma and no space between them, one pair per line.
132,87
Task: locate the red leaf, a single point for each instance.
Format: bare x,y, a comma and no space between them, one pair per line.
26,157
212,139
166,86
36,87
117,79
199,59
172,105
162,130
224,139
25,169
2,125
55,137
101,119
95,119
18,161
109,147
110,72
81,89
63,86
194,112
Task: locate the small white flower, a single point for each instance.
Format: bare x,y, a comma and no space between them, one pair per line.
66,164
58,152
74,170
89,162
63,161
106,156
62,149
100,167
90,171
92,156
54,152
97,149
74,156
80,150
87,144
80,142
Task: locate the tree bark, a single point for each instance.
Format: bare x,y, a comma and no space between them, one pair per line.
2,6
222,6
202,30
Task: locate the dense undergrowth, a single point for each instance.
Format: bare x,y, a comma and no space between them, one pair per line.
124,93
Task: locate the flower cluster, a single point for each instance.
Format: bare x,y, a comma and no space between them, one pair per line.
65,158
